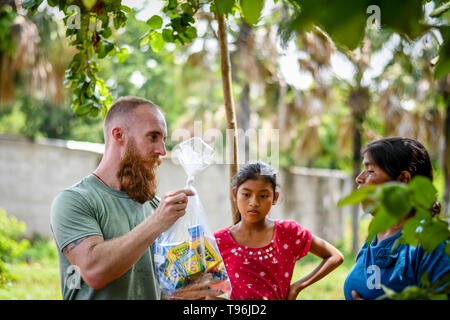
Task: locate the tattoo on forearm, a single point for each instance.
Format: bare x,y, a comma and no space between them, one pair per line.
73,245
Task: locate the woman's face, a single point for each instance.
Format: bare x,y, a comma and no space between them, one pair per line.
372,174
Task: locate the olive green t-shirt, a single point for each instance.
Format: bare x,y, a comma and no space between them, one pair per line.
92,208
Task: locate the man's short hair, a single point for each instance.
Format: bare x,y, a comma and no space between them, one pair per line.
123,110
124,106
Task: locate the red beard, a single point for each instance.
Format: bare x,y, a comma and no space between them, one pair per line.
137,175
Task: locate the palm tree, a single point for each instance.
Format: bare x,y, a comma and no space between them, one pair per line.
39,60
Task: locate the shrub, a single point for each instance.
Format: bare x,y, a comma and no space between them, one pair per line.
12,245
40,249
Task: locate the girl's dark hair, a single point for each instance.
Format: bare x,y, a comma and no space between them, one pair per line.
255,171
395,154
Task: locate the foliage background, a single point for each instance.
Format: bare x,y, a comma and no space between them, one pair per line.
315,118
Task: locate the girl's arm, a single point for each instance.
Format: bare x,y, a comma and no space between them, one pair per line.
332,258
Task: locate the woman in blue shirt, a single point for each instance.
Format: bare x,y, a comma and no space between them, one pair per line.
393,159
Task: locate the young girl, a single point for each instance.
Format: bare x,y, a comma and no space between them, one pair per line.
260,253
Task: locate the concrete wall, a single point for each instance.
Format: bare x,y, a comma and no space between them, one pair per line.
32,173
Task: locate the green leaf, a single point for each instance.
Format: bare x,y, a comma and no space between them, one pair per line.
346,24
94,112
107,32
409,293
104,47
405,19
172,4
120,19
388,291
423,191
252,10
89,4
357,196
101,53
447,249
400,241
433,234
187,8
186,20
439,297
83,109
442,67
168,35
156,41
394,198
144,40
440,10
424,279
28,3
380,222
155,22
109,45
32,5
100,85
409,233
122,55
125,8
224,6
104,111
191,32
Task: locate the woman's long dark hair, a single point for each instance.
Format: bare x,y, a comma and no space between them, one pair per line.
395,154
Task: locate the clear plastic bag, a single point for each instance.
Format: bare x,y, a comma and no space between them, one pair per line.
187,258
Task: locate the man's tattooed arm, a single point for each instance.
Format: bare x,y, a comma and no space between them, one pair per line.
73,245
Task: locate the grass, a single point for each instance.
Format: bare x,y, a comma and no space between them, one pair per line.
37,274
34,281
331,287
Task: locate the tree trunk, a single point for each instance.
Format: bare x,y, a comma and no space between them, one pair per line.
229,106
283,120
356,171
243,119
359,101
243,111
447,157
444,90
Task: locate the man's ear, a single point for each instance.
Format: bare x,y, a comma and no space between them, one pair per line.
118,135
405,176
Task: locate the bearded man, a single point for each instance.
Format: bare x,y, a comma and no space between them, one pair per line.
105,225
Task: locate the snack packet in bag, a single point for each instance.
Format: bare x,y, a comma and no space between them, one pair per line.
187,259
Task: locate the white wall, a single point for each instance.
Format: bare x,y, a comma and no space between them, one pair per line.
32,173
